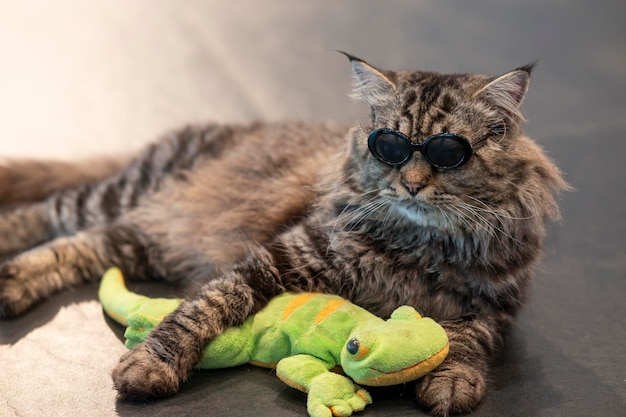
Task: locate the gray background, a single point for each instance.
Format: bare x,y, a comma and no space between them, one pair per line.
79,78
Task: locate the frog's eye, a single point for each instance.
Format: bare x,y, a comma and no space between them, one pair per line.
356,349
353,346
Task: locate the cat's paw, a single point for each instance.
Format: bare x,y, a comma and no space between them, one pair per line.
15,298
142,375
454,389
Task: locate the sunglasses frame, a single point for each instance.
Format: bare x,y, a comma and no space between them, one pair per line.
418,147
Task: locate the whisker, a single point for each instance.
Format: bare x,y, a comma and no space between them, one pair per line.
471,225
349,220
481,219
444,214
488,209
387,216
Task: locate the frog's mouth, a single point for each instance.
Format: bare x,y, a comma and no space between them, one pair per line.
407,374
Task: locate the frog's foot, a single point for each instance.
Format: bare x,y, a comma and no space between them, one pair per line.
139,327
331,394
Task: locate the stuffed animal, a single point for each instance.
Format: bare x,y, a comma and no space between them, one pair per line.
304,336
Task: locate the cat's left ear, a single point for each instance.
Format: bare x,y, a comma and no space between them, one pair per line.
508,91
371,84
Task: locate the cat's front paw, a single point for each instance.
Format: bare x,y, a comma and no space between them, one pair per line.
454,389
142,375
15,298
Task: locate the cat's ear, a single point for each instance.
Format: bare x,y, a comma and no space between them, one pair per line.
371,84
508,91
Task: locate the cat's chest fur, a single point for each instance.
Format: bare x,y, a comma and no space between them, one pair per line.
431,271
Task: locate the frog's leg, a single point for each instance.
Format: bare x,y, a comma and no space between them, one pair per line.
330,394
140,324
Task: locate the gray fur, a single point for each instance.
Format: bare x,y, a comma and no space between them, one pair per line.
252,211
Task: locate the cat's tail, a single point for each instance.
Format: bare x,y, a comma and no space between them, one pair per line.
31,180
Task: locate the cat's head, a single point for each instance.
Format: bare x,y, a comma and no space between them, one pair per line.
478,168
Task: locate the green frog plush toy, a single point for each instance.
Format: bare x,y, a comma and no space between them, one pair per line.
304,336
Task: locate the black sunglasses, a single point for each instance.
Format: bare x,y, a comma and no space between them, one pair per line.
443,150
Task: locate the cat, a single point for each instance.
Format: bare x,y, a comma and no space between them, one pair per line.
439,201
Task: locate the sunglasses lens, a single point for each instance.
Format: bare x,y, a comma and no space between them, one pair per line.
390,148
447,151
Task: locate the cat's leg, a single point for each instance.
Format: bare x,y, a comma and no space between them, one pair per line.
156,367
62,214
67,212
24,227
36,274
458,385
30,180
36,197
97,203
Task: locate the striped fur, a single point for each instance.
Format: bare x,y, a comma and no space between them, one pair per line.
26,181
253,211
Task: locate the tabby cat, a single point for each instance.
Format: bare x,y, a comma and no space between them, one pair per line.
439,201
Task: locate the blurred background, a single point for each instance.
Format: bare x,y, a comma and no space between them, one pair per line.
79,78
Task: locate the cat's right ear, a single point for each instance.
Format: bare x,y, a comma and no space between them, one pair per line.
371,84
507,91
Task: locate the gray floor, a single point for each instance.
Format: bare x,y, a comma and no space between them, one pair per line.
78,78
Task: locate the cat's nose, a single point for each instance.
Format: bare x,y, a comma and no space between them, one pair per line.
413,187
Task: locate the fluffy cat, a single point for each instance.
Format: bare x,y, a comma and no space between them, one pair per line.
453,226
